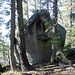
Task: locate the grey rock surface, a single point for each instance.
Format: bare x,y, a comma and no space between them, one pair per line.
36,40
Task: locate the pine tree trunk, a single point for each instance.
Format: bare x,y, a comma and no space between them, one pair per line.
27,11
71,13
47,5
40,4
54,49
35,5
11,56
23,58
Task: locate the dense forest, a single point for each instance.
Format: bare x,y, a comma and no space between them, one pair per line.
37,37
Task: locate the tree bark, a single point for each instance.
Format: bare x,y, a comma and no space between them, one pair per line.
35,5
40,4
27,11
23,58
71,13
54,49
12,58
47,5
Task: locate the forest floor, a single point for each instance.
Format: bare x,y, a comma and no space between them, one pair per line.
46,69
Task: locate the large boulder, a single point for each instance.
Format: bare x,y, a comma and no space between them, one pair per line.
36,40
37,47
62,34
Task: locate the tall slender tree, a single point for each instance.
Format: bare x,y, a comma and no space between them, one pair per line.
35,5
54,49
23,58
71,12
40,4
12,58
27,11
47,5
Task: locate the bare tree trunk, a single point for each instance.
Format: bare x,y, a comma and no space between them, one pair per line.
47,5
12,57
23,58
27,11
71,13
54,49
35,5
40,4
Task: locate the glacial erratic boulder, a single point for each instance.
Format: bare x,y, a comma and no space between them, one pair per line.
37,47
36,39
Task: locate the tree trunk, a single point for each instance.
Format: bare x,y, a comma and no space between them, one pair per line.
23,58
71,13
54,49
12,58
17,57
35,5
40,4
47,5
27,11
